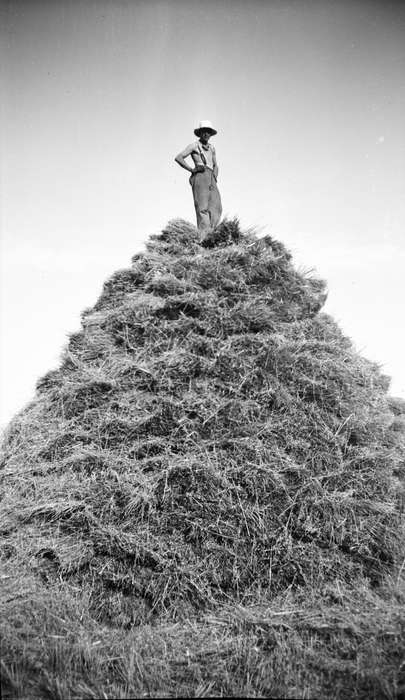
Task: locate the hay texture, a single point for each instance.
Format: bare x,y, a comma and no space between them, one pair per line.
205,498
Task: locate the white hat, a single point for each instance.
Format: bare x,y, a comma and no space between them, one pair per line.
205,126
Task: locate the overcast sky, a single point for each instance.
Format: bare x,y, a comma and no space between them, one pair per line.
308,97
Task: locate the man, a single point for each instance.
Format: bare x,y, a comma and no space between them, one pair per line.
203,180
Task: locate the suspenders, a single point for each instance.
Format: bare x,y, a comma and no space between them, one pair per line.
202,156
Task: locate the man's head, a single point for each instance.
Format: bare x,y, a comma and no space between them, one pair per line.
204,131
205,135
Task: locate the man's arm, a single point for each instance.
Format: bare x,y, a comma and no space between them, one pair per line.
184,154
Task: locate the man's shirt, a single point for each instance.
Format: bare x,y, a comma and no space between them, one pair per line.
198,153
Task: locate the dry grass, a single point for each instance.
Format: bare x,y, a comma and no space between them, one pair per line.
206,497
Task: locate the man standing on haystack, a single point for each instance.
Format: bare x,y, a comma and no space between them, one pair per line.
203,180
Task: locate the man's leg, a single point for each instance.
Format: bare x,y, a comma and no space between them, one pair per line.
200,183
215,204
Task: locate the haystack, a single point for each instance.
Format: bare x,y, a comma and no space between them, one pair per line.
205,498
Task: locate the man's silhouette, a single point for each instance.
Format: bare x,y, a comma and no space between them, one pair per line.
203,180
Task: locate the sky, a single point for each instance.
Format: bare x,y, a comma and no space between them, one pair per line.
98,96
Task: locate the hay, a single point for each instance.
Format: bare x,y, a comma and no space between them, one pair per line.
210,441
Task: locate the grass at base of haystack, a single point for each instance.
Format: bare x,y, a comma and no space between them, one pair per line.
341,643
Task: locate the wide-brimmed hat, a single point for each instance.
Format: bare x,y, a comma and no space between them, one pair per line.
205,126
